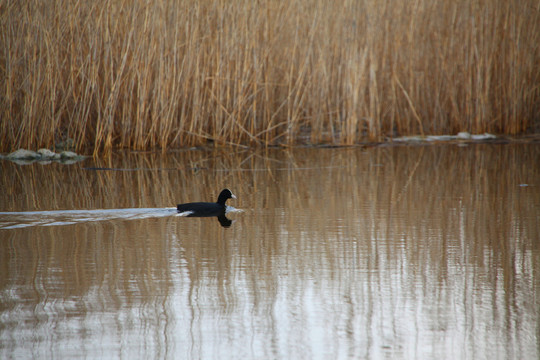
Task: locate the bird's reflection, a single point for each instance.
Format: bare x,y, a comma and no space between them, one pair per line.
224,221
222,218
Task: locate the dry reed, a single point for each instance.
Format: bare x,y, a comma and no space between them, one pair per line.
138,74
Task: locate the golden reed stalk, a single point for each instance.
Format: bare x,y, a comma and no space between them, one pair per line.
144,74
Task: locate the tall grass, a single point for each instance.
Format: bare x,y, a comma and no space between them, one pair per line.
163,73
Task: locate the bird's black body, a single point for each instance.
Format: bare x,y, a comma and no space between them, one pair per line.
204,209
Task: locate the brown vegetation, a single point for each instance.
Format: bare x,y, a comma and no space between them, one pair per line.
138,74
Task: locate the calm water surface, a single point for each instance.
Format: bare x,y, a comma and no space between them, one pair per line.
387,252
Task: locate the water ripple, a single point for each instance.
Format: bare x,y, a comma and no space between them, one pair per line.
22,219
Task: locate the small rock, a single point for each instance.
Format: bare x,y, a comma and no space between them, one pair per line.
440,137
409,138
68,155
484,136
23,154
47,154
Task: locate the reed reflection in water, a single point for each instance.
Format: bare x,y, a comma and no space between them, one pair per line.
414,252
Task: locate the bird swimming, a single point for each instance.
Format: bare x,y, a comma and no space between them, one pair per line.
204,209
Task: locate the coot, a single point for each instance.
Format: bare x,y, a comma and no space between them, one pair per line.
202,209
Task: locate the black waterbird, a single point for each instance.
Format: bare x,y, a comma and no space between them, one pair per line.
206,209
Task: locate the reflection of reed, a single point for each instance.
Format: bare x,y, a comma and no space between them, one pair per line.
440,227
383,193
58,279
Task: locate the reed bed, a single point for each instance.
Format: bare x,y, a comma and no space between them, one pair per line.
161,74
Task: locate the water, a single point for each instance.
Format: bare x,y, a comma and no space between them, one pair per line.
387,252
